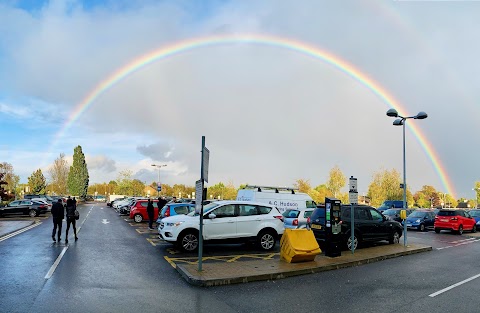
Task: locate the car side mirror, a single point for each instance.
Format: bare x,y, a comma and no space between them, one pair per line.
211,216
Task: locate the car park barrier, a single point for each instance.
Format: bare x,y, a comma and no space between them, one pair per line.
298,245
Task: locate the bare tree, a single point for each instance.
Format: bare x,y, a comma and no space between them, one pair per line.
59,175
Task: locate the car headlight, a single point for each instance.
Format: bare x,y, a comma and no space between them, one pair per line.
174,224
478,223
417,221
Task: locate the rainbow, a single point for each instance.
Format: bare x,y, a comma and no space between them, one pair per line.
280,42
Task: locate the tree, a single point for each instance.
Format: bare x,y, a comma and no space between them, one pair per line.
137,187
322,192
59,175
302,185
336,181
10,180
37,183
78,175
124,183
386,186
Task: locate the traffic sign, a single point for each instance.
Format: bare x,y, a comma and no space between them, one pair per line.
198,195
353,197
159,188
353,184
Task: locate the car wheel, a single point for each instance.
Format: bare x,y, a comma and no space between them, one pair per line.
188,241
32,213
422,227
349,242
437,230
266,240
138,218
474,229
460,230
395,238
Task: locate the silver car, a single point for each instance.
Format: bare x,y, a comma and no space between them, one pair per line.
296,218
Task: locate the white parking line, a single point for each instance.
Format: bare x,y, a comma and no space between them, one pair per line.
19,231
460,243
453,286
55,264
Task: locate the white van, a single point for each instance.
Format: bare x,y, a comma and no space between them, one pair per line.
281,197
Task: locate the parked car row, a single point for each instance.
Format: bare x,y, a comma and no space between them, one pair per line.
28,207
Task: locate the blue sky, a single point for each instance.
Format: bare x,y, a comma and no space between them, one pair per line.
271,116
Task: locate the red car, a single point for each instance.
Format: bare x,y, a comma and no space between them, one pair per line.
138,211
454,220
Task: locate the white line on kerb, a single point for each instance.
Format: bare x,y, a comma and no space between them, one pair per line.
19,231
55,264
453,286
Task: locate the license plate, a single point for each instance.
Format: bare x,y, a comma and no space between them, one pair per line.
316,226
409,225
444,220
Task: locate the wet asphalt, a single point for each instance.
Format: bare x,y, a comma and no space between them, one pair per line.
113,268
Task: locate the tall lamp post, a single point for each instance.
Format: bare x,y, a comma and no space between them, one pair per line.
158,181
401,121
476,197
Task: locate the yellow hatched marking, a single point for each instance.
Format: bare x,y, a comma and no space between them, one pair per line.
224,258
152,241
170,262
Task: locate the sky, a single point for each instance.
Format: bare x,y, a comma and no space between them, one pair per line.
271,114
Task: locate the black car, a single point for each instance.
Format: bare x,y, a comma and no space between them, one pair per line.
370,226
394,214
25,207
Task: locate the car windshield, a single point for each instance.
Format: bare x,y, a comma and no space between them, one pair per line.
417,214
391,212
206,208
475,213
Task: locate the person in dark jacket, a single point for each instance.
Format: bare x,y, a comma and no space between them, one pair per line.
58,214
74,202
69,202
150,211
71,220
161,203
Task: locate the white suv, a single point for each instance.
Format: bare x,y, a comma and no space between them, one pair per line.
233,221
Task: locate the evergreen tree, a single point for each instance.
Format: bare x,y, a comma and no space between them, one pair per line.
37,183
78,174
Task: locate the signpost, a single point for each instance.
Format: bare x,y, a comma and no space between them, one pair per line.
353,199
199,198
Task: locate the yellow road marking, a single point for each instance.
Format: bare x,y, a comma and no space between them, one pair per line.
170,262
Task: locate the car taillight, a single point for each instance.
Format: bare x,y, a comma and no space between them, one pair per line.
167,212
279,217
295,222
42,206
308,220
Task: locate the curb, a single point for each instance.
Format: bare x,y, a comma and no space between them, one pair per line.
13,231
197,280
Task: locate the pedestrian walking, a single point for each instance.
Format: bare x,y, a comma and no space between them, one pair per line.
58,213
69,202
161,203
75,203
71,219
150,211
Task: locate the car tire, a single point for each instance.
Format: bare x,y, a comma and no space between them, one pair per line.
460,230
422,227
32,213
138,218
188,241
474,229
395,238
437,230
348,243
266,240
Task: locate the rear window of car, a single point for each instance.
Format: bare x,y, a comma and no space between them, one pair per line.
182,209
446,213
307,213
264,210
291,213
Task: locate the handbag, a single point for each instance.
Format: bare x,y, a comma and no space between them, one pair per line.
77,215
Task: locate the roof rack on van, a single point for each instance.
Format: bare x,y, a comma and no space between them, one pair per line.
277,189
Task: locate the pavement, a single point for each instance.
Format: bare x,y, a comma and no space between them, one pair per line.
215,274
8,227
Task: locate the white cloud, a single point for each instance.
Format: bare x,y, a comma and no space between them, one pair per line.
270,115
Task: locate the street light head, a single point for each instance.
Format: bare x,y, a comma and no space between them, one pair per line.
398,122
392,113
154,165
421,115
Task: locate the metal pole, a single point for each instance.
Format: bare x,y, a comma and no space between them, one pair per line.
352,217
158,181
404,185
200,233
